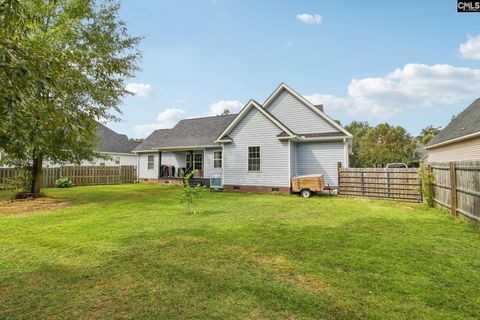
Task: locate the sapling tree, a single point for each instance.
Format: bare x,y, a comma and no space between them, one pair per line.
190,194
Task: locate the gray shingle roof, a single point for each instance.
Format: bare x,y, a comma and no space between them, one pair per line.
152,140
110,141
188,133
421,152
465,123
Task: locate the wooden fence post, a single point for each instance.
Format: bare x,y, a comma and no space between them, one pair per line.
453,188
388,184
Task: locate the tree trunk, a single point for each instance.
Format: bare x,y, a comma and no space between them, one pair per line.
36,175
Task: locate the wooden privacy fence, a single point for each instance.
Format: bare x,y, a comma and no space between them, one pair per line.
394,184
457,187
79,175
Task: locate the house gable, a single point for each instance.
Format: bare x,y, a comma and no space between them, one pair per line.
253,105
299,114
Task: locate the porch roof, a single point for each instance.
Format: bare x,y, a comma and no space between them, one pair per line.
188,133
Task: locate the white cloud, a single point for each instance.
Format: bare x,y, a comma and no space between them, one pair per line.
471,48
140,89
218,107
414,85
165,119
310,18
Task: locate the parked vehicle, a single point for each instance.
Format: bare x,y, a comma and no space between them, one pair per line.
308,185
396,166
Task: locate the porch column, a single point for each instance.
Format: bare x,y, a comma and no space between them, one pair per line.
159,164
191,161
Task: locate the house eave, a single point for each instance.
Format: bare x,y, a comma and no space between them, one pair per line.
121,153
334,138
443,143
187,148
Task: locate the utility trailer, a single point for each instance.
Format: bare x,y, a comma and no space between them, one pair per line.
308,185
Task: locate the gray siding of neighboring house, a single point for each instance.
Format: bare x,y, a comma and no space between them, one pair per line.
256,130
457,151
321,158
297,116
208,163
143,172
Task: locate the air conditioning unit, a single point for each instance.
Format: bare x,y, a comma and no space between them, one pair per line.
216,181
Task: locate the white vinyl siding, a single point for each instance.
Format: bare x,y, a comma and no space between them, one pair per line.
297,116
176,159
256,130
457,151
209,161
125,160
143,172
320,158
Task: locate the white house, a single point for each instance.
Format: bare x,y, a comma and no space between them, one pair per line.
259,149
116,147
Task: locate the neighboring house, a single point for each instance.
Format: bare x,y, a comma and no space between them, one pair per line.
460,139
117,147
259,149
421,155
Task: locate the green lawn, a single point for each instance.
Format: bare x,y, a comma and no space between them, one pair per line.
129,251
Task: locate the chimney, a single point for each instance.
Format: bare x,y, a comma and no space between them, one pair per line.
319,107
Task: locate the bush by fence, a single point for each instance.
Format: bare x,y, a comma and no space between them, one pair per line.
79,175
382,183
457,187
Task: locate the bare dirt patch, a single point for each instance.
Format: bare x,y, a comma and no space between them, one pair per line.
31,205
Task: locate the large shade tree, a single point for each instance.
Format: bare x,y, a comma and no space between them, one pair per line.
387,144
359,130
63,65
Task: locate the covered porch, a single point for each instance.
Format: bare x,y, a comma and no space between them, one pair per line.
173,163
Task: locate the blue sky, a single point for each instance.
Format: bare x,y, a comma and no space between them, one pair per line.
410,63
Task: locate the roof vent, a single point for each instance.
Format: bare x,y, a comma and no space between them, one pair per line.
319,107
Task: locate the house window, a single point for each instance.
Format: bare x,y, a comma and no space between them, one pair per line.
151,162
198,161
253,158
117,160
102,163
217,159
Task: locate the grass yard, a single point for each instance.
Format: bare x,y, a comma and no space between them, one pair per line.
129,251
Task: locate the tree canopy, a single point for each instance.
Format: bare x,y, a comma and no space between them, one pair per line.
380,145
63,65
428,133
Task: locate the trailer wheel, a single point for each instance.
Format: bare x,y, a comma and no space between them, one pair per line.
306,193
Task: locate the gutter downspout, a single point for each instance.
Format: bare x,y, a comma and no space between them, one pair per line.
138,167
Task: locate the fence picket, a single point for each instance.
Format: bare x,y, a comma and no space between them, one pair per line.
457,187
395,184
79,175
